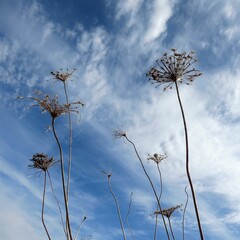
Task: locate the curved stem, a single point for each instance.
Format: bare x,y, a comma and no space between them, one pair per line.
117,205
59,208
184,212
187,165
43,205
151,183
70,142
170,225
68,227
79,227
129,209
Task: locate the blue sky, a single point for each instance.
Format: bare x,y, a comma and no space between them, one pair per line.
112,44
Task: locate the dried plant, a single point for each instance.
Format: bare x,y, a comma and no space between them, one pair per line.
157,158
64,77
171,70
116,202
168,213
42,162
51,105
119,134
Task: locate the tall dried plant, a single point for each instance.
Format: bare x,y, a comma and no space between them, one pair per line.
51,105
171,70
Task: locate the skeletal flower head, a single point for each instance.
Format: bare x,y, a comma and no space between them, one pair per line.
119,133
167,212
41,161
174,68
157,158
63,76
52,105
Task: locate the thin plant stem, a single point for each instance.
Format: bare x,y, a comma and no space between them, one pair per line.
184,213
55,197
129,209
70,142
117,205
187,164
43,205
68,227
156,225
150,181
170,226
79,227
160,195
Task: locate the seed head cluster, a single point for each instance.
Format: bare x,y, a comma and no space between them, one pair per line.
168,212
157,158
41,161
52,106
62,76
174,68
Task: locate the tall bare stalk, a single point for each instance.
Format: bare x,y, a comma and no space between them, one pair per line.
116,202
120,134
70,142
187,164
68,227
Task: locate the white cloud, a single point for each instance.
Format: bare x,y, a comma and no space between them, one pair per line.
160,12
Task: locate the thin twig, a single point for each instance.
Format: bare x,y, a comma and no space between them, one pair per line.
184,212
129,209
160,195
55,197
150,181
170,226
187,164
79,227
43,205
117,204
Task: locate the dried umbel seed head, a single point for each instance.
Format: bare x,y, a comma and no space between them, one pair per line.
52,105
41,161
119,133
157,158
174,68
107,173
63,76
167,212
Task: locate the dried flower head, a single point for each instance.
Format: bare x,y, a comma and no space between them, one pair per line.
174,68
52,105
63,76
167,212
109,174
119,133
157,158
41,161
